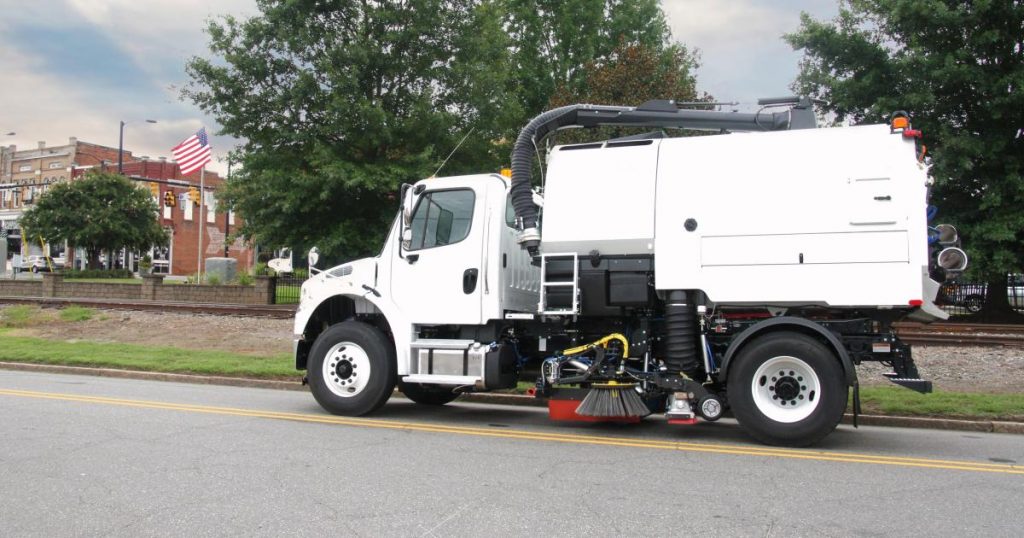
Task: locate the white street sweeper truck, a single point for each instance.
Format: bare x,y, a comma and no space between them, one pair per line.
751,269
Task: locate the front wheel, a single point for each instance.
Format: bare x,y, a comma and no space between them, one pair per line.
787,389
351,369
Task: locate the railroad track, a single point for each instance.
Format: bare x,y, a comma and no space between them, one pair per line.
948,334
961,334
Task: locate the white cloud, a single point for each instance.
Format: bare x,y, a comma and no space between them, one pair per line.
50,107
743,56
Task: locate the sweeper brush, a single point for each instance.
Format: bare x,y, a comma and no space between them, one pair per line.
613,400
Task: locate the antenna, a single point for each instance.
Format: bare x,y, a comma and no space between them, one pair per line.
457,146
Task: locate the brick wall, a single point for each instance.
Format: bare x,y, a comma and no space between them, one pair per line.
72,289
152,288
21,288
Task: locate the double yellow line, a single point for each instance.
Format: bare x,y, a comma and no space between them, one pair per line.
814,455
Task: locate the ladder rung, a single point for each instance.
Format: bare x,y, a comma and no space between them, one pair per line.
546,284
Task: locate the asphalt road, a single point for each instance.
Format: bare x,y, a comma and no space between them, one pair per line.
89,456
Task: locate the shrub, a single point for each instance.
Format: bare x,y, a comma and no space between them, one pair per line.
244,279
212,280
99,273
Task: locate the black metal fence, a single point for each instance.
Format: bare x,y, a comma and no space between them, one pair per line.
968,298
288,284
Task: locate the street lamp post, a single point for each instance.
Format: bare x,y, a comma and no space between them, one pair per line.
120,147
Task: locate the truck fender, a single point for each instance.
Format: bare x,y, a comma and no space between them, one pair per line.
393,319
783,323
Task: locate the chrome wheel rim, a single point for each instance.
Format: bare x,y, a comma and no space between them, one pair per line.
786,389
346,369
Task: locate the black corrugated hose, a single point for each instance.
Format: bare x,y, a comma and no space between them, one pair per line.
522,161
681,336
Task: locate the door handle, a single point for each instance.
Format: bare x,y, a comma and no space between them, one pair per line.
469,278
885,198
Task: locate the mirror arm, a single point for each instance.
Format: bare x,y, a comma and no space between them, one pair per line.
401,217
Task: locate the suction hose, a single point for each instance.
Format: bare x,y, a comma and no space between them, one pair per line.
681,336
522,170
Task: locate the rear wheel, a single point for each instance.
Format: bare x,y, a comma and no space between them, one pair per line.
787,389
974,303
351,369
427,394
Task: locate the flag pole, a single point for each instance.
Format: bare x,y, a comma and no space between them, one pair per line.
202,223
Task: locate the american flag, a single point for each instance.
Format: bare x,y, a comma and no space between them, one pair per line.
193,152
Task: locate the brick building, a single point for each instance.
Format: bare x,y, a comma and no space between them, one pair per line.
28,173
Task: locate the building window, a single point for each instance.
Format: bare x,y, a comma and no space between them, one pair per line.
56,164
25,168
211,208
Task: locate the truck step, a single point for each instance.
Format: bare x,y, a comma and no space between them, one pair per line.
441,379
918,385
439,343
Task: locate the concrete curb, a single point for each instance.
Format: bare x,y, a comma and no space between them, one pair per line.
990,426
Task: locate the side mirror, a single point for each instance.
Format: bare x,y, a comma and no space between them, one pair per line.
407,200
406,238
313,256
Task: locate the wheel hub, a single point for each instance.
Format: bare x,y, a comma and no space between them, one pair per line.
786,389
346,369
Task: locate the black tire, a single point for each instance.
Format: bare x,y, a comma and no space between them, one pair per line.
810,408
974,303
427,394
349,346
35,269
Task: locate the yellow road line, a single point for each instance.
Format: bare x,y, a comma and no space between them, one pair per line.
814,455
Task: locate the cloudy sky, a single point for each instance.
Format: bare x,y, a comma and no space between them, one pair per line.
78,67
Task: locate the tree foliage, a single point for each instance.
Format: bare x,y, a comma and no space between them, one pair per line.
554,40
339,102
631,75
102,211
958,68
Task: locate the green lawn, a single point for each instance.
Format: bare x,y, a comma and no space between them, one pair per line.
138,357
904,402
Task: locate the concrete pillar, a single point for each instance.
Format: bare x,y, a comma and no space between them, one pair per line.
150,283
52,283
266,289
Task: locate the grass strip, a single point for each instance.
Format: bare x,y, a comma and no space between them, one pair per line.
898,401
147,358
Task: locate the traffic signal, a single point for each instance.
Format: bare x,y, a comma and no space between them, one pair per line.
154,189
169,199
193,194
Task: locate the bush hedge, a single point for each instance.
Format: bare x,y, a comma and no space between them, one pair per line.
98,273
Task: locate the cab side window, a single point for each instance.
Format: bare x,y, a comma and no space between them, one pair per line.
442,218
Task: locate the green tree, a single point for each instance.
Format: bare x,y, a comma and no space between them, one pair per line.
101,211
958,68
631,75
340,102
554,40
